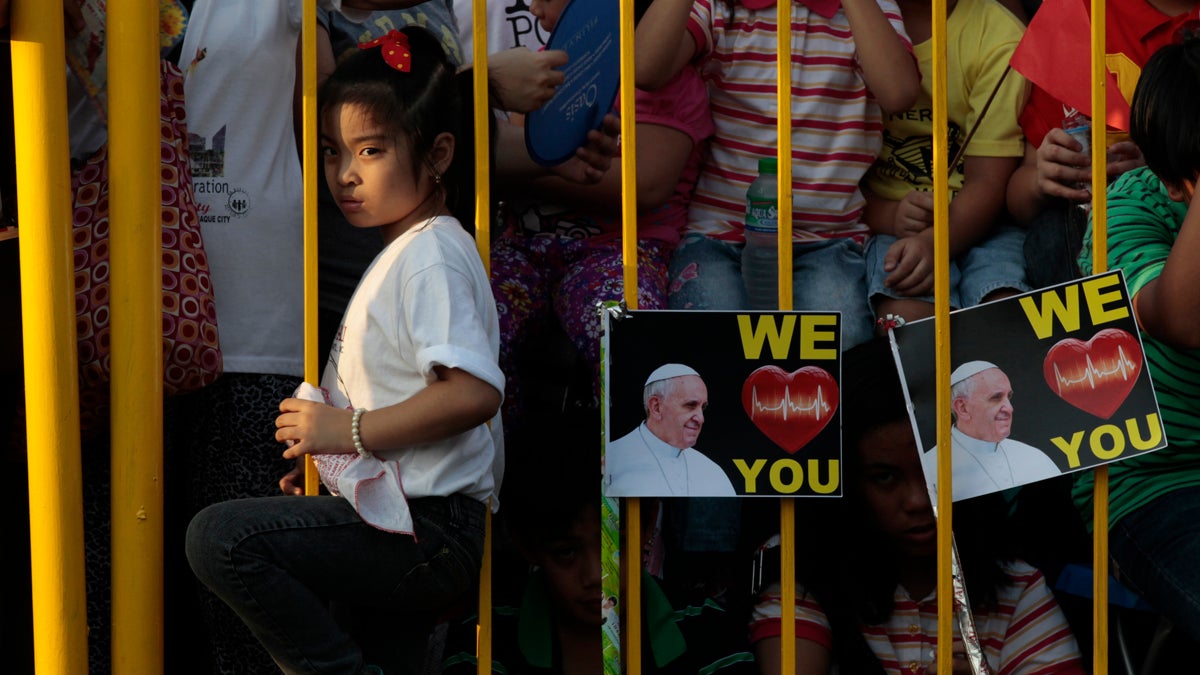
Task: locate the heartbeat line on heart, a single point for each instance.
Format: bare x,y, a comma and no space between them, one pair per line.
1093,375
817,408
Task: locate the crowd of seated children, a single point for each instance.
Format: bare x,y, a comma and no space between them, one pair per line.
867,70
1153,231
1055,176
983,98
866,586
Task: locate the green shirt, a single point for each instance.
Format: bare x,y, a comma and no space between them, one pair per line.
692,638
1143,223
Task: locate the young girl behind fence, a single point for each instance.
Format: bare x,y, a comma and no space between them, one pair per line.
403,444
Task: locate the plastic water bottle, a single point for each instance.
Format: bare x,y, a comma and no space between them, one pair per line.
1079,127
760,257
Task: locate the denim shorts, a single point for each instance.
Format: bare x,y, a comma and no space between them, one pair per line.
827,275
995,263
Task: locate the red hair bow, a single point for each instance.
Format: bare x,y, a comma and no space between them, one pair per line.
395,50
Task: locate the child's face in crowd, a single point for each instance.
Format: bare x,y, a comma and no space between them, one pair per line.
547,12
572,567
893,486
370,174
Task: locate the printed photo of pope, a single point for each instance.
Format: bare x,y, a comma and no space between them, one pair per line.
984,458
658,458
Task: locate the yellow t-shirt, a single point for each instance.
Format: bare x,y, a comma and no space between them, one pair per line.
981,37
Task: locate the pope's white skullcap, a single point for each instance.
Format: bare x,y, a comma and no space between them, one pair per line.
669,370
969,369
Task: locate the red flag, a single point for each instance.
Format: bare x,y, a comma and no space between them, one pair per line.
1055,54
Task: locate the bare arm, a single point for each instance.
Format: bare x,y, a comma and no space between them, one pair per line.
591,161
975,208
659,166
909,216
973,213
811,658
889,69
879,214
1168,307
523,80
455,402
662,43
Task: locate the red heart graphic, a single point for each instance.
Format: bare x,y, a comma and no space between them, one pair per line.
790,408
1095,376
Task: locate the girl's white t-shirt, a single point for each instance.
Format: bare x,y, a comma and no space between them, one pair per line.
425,301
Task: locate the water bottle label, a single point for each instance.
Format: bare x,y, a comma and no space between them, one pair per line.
1084,136
762,215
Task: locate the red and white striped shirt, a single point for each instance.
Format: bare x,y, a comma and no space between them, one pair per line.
1024,634
836,123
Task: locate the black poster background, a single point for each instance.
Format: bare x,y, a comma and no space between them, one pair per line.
711,343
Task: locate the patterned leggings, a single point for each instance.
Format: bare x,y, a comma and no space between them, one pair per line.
223,437
532,276
219,444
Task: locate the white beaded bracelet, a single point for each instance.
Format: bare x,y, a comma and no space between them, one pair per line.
358,413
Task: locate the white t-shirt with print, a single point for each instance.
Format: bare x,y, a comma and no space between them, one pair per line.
239,64
424,302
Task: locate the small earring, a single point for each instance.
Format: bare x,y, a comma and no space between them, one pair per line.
437,178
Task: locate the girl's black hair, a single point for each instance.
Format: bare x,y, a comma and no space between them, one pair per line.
853,576
418,105
1162,117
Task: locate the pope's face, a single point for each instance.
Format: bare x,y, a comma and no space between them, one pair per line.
677,417
987,413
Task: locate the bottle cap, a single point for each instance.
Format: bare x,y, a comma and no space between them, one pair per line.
768,165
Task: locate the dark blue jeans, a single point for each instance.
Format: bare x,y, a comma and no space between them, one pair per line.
1052,245
280,561
1157,549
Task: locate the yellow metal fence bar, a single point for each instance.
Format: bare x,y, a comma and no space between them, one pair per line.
941,310
312,174
783,196
51,371
483,228
483,111
135,226
1099,264
632,559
